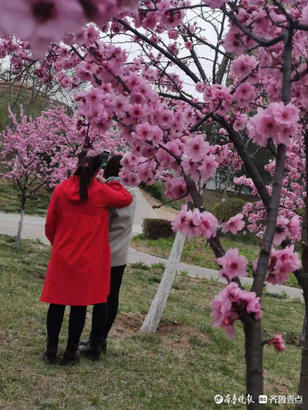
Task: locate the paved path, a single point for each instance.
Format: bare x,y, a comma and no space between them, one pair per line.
34,228
198,272
34,225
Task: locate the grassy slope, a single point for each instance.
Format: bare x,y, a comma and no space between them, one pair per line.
9,201
180,367
197,252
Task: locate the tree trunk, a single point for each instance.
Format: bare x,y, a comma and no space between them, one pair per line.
254,361
225,194
303,333
21,222
303,382
302,278
159,302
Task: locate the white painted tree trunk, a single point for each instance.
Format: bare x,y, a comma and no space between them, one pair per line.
303,334
159,302
20,226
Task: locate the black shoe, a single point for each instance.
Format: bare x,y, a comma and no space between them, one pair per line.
93,348
86,346
71,355
50,356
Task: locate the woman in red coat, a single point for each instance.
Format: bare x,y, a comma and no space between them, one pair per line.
78,273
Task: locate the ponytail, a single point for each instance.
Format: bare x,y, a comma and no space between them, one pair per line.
88,166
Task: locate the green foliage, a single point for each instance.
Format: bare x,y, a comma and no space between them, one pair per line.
140,266
10,200
156,190
226,209
196,251
157,228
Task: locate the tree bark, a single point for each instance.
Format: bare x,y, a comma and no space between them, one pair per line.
155,313
254,361
302,278
21,222
303,333
303,382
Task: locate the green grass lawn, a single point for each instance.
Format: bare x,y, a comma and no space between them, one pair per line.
9,200
181,367
197,252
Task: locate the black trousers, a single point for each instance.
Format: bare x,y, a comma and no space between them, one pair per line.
104,316
76,322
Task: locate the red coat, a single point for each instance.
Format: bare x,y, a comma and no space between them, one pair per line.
79,267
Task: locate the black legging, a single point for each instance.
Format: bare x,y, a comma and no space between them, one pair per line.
76,322
101,326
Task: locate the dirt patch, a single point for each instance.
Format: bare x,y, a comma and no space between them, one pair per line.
165,212
141,247
173,334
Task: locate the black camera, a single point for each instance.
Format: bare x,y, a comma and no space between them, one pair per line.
104,158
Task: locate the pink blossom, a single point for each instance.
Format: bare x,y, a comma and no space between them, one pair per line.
172,18
281,230
135,111
196,148
244,94
277,121
277,342
191,168
304,18
219,97
223,313
175,188
242,66
239,122
234,41
195,223
144,131
282,262
230,303
234,225
233,265
214,4
40,21
208,168
209,225
129,178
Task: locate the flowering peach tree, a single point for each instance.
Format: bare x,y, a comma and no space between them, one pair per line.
41,152
181,85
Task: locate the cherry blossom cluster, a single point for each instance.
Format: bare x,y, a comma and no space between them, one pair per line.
277,122
46,148
277,342
292,199
194,223
230,304
282,262
160,14
43,148
234,225
42,21
233,265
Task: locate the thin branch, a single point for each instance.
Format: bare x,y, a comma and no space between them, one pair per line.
171,57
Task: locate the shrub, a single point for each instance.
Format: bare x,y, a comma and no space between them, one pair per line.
156,190
157,228
226,209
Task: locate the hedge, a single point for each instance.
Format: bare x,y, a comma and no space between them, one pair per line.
226,209
157,228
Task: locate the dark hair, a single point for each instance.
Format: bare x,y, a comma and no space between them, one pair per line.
113,166
87,168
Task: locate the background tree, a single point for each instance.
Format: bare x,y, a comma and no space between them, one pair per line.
39,153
